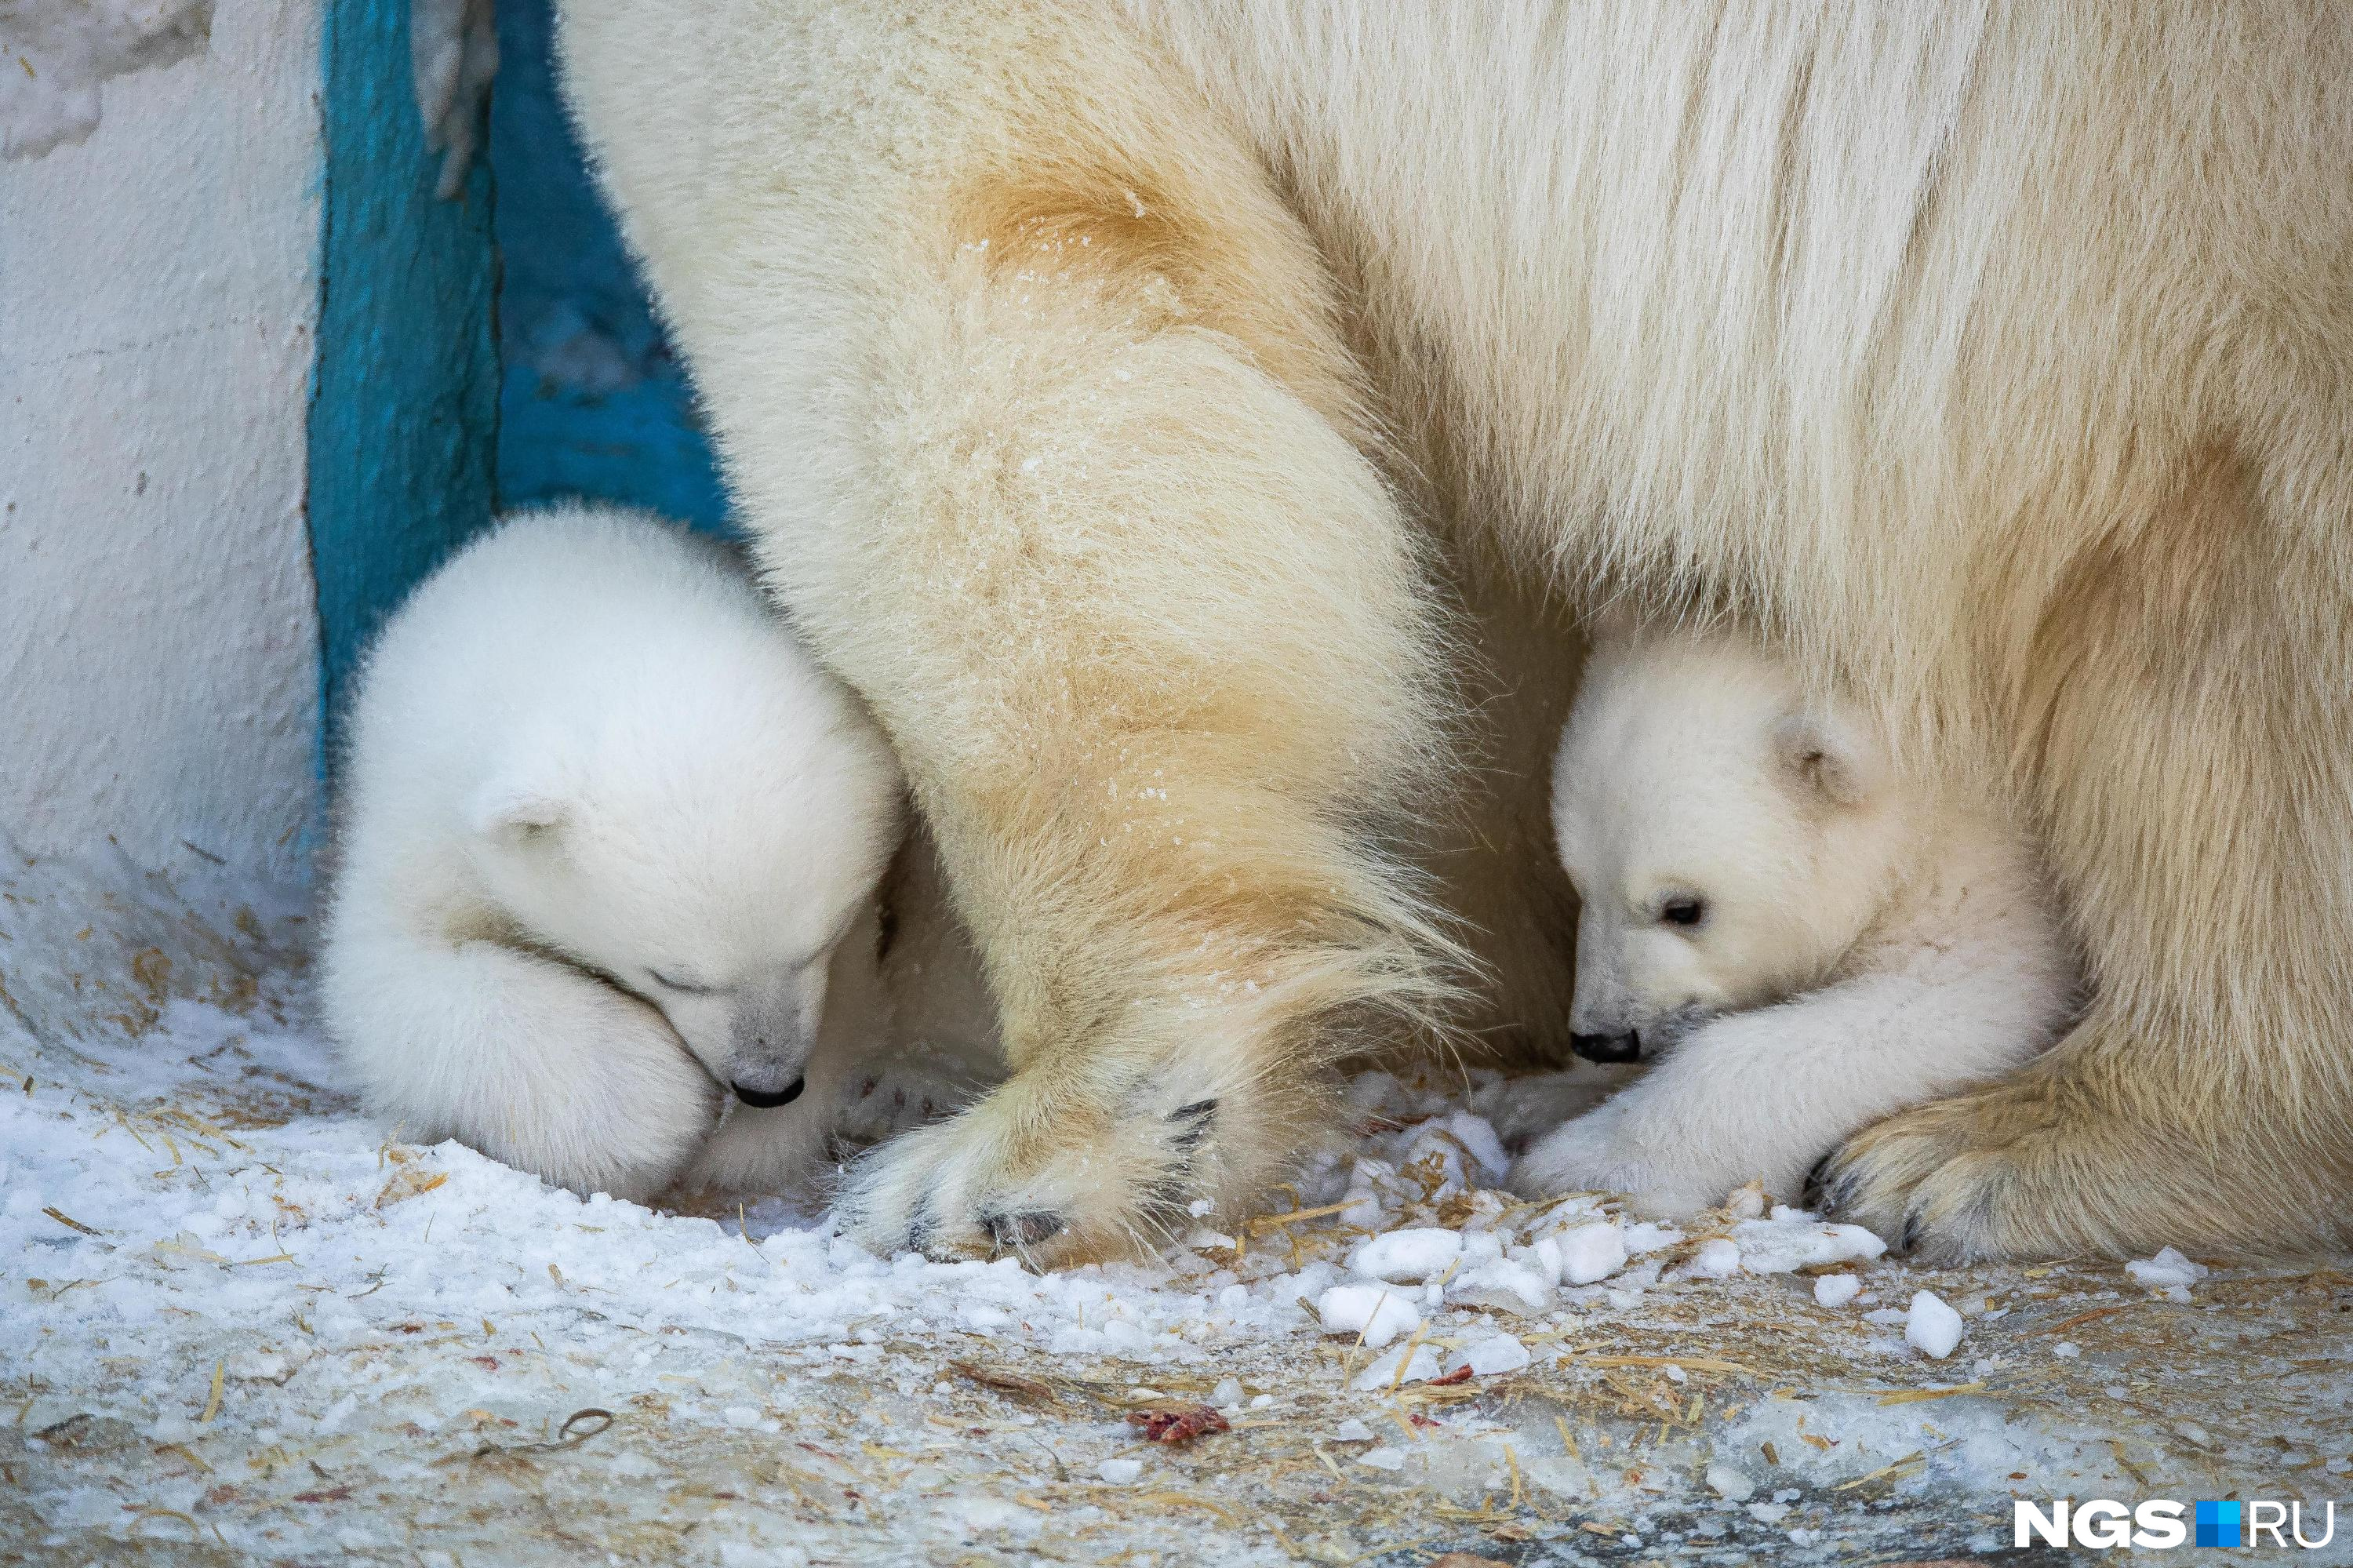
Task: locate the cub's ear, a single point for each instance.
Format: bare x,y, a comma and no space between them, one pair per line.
1829,757
512,809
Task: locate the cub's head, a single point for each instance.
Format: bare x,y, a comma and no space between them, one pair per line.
1729,840
706,844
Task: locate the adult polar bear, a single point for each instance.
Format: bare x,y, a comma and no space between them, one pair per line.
1096,381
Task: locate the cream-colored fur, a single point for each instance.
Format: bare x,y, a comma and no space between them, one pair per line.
1090,374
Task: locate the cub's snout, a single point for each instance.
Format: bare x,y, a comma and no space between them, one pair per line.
771,1034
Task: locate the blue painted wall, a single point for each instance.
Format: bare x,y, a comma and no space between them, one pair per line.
404,408
591,401
473,355
405,391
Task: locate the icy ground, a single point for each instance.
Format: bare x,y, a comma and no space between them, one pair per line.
240,1324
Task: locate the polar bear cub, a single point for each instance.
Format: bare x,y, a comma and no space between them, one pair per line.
607,834
1798,939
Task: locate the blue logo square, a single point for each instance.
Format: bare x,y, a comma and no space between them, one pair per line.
2218,1523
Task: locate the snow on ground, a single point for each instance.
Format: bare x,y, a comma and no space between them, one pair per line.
240,1322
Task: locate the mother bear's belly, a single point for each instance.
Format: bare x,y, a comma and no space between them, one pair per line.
1829,316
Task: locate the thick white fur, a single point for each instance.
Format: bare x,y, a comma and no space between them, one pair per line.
587,768
1089,373
909,1036
1862,943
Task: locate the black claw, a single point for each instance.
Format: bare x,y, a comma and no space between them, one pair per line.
921,1226
1039,1228
1196,1120
1910,1233
1013,1232
1817,1196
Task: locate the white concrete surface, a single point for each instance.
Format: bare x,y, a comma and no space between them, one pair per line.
64,51
158,630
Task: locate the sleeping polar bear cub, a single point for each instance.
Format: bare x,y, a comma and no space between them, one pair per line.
611,841
1803,940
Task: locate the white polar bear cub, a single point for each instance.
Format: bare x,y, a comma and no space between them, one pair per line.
1804,941
606,828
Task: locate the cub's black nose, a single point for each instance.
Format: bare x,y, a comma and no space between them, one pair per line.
1626,1047
767,1100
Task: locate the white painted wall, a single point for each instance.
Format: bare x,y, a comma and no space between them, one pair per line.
64,51
158,632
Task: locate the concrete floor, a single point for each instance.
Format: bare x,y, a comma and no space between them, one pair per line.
588,1438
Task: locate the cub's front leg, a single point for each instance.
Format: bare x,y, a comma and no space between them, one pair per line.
1742,1099
1765,1094
534,1064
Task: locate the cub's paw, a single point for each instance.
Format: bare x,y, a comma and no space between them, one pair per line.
1050,1179
1595,1153
625,1115
1611,1150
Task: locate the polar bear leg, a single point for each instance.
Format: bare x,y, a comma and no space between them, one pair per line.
534,1064
2194,762
1037,403
1185,672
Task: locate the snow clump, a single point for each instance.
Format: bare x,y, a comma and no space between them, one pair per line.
1930,1327
1374,1313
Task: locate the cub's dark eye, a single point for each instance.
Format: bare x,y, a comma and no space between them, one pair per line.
1683,911
682,986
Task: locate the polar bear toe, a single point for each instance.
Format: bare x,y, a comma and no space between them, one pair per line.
1001,1180
2042,1165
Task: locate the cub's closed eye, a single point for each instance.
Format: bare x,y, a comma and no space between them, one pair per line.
684,987
1683,911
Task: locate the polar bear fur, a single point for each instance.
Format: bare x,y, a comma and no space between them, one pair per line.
1107,387
1799,938
610,843
909,1036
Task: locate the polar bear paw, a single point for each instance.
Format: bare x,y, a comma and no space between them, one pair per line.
1605,1150
2037,1166
1035,1172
